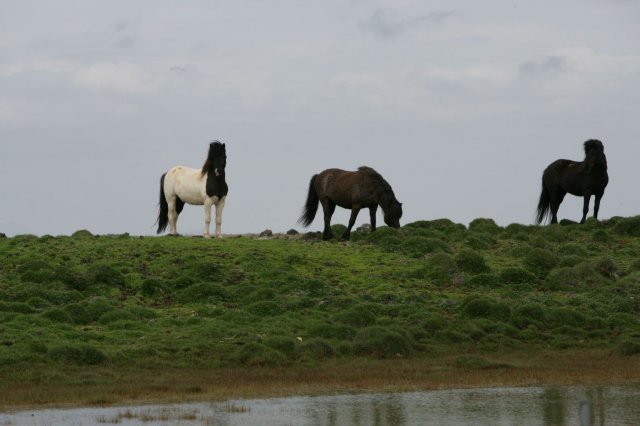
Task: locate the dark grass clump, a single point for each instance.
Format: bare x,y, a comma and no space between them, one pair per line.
266,308
476,306
516,275
283,344
439,268
583,276
479,241
558,317
485,225
573,249
629,347
418,246
474,362
155,287
540,262
105,274
332,331
471,262
78,354
629,226
357,316
318,349
255,354
203,293
445,226
530,314
484,280
382,342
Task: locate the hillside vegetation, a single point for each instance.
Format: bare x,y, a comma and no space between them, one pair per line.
428,289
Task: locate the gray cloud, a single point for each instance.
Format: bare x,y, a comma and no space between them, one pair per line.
553,64
125,34
383,23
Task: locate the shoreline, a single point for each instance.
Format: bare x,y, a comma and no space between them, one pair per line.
119,387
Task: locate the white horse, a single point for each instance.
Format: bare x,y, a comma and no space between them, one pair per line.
206,187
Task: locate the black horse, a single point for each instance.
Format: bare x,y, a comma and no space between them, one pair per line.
583,179
364,188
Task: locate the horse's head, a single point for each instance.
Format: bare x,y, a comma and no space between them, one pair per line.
594,153
217,159
593,146
393,213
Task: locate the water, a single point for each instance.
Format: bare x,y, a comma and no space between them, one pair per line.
602,405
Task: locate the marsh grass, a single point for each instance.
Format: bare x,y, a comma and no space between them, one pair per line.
430,288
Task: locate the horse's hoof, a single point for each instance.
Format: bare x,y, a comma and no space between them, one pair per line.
207,236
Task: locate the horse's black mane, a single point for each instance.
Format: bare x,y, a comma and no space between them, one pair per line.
595,159
387,194
216,149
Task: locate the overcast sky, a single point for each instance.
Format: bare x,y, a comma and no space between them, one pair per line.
460,105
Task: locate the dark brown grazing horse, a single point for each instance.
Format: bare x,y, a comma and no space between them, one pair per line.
364,188
583,179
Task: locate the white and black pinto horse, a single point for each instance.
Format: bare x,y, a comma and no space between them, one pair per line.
204,186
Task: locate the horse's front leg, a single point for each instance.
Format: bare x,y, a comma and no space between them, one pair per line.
352,220
219,207
596,205
207,216
585,208
372,213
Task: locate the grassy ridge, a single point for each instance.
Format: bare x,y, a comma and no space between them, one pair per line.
431,288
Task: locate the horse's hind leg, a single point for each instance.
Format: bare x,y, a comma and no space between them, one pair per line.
328,207
352,221
554,204
585,207
175,207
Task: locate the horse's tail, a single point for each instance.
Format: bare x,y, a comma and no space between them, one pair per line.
163,213
311,206
543,205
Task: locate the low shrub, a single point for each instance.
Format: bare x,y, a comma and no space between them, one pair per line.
516,275
105,274
483,280
382,342
258,355
529,314
332,331
417,246
318,349
476,306
471,262
265,308
629,226
203,293
78,354
629,347
484,225
540,262
283,344
357,316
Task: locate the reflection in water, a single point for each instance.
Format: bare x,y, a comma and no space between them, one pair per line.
553,407
615,405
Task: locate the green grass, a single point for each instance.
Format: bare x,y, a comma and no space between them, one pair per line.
430,287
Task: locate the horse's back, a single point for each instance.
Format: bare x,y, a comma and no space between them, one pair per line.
185,183
345,187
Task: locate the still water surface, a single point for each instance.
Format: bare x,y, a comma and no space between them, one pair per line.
602,405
